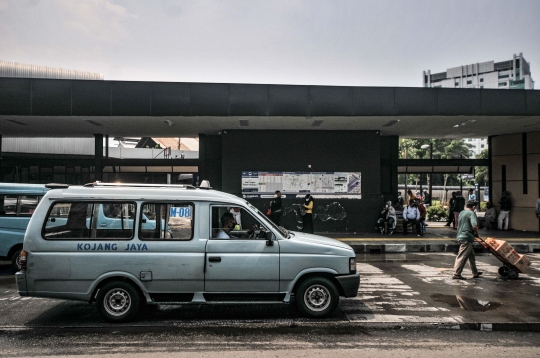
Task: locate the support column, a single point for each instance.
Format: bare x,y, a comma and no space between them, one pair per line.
490,172
98,156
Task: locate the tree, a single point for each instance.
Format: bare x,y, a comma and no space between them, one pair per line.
482,174
410,148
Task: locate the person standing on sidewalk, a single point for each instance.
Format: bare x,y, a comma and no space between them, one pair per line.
537,208
308,217
504,215
275,207
490,218
466,233
451,205
459,206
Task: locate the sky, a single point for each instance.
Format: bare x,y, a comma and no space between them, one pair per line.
305,42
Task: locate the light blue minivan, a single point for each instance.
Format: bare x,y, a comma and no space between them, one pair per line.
17,204
123,246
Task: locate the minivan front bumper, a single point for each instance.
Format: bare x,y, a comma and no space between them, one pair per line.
20,277
349,284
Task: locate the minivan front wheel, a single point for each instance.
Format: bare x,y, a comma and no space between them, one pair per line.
317,297
118,301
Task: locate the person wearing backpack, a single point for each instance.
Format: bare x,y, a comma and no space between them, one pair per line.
411,216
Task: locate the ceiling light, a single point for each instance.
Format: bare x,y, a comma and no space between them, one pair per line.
94,123
17,122
168,122
244,122
391,123
465,123
317,123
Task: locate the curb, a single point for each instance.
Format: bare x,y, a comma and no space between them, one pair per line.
380,248
488,327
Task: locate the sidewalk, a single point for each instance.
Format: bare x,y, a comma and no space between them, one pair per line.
438,238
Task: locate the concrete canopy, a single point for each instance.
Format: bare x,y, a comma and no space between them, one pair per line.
81,108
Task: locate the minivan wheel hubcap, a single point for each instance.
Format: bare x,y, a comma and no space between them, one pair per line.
317,298
117,302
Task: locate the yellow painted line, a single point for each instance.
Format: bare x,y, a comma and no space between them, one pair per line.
392,240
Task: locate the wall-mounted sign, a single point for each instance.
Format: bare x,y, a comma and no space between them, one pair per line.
263,184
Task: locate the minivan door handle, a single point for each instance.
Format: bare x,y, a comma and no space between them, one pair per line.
214,259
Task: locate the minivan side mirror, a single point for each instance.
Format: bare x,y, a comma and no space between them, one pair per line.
268,237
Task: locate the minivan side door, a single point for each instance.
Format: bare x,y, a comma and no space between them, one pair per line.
239,263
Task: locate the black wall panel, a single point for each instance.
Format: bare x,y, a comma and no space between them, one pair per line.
170,99
350,151
373,101
415,101
455,103
210,160
248,100
289,100
91,98
131,98
331,101
15,96
51,98
500,102
209,99
533,102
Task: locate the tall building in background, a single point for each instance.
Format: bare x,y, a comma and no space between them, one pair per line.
511,74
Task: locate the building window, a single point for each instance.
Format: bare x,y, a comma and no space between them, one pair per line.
482,146
469,82
504,76
456,84
503,84
481,86
481,80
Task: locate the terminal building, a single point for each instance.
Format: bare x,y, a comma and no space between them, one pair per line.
243,129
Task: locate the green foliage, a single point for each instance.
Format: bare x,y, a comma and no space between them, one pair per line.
481,176
435,212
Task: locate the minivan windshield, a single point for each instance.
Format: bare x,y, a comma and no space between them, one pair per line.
268,222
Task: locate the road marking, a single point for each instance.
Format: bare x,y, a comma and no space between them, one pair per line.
381,294
430,274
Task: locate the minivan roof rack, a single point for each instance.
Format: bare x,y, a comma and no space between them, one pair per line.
56,186
137,185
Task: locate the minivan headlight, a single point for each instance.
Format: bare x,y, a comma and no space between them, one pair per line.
352,264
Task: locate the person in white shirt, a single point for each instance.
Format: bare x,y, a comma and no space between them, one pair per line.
227,224
411,216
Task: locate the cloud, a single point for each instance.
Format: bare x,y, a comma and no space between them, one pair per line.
4,5
97,20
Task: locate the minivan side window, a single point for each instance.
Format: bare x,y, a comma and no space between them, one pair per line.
241,221
166,221
18,205
90,220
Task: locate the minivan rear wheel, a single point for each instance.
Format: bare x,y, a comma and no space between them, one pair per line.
317,297
118,301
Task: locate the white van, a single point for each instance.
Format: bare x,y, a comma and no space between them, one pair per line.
126,245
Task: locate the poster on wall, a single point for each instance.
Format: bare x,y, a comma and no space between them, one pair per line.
292,184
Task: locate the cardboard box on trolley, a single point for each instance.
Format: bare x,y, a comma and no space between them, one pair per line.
505,250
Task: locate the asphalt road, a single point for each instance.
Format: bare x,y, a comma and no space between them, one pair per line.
407,304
